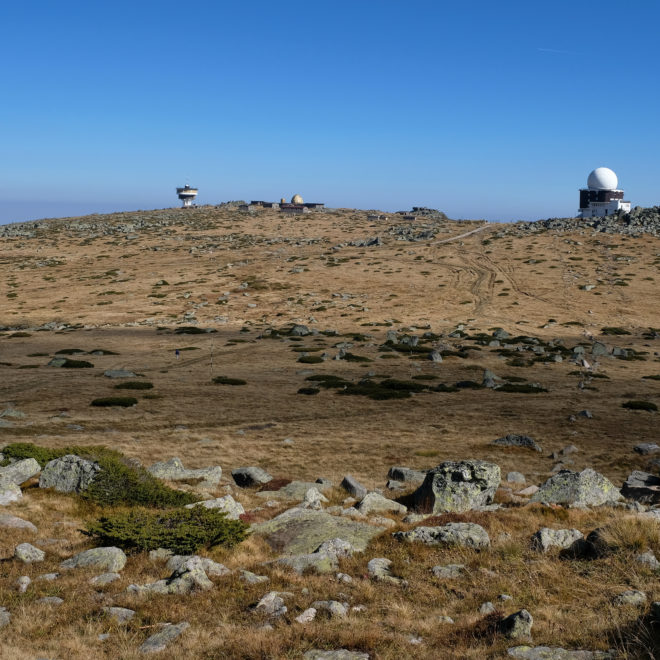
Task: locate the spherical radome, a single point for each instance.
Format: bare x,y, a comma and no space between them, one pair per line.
296,199
602,178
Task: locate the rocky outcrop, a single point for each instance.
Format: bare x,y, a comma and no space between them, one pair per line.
468,535
517,625
456,487
582,489
302,531
69,474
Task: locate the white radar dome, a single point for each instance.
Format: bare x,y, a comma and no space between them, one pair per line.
602,178
297,199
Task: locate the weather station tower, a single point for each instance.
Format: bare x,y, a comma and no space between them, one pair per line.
187,195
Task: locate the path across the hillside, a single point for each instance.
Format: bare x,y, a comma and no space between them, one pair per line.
467,233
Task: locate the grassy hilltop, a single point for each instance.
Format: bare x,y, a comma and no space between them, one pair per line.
354,391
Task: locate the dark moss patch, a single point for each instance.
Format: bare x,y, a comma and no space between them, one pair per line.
69,351
468,385
76,364
111,401
612,330
640,405
328,381
310,359
351,357
225,380
309,390
134,385
521,388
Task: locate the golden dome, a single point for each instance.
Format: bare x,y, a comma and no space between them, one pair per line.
296,199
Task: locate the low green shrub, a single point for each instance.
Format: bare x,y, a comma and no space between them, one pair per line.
351,357
442,387
310,359
610,330
309,390
652,377
374,391
189,330
640,405
225,380
183,531
521,388
76,364
119,401
134,385
69,351
468,385
328,381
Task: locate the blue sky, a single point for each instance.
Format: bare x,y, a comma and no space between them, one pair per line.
481,109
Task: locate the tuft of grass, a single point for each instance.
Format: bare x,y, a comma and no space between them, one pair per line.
183,531
640,405
110,401
225,380
310,359
134,385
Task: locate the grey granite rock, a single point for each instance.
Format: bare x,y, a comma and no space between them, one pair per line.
28,554
109,559
69,474
547,538
469,535
162,639
246,477
586,488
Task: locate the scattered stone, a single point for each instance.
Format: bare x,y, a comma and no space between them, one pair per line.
272,604
456,487
28,554
51,600
646,448
648,559
556,653
486,608
379,569
161,639
119,373
642,487
630,597
49,577
587,414
307,616
210,567
110,559
547,538
23,583
14,522
253,578
103,579
449,572
530,490
516,478
376,503
301,531
517,625
514,440
245,477
333,608
337,654
343,577
119,614
296,490
407,475
69,474
352,486
19,472
173,470
10,494
586,488
314,499
185,580
392,484
5,617
445,619
469,535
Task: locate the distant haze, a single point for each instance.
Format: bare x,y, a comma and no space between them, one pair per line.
482,110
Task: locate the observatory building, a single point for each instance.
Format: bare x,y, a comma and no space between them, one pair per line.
187,195
601,197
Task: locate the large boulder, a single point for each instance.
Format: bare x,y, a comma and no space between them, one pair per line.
353,487
109,559
643,487
69,474
468,535
302,531
586,488
173,470
517,625
19,472
456,487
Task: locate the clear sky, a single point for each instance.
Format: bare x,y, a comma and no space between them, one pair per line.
483,109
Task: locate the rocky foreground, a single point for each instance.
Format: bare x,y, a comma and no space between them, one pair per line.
433,509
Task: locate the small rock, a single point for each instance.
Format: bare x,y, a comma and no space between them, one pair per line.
14,522
337,547
406,475
119,614
352,486
337,654
547,538
449,572
516,478
646,448
379,569
49,577
210,567
514,440
648,559
23,583
161,639
319,562
245,477
343,577
10,494
103,579
376,503
5,617
307,616
333,608
28,554
19,472
51,600
517,625
486,608
445,619
630,597
272,603
526,492
253,578
469,535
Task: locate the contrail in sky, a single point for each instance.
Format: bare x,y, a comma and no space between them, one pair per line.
562,52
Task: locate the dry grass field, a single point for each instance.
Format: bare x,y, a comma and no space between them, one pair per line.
128,284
